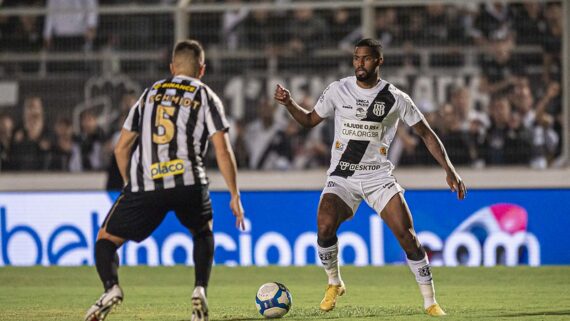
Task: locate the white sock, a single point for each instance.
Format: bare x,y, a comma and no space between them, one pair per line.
329,258
422,271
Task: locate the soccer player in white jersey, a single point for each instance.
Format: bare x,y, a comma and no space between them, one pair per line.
366,111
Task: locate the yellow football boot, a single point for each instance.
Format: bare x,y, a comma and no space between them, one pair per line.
435,310
331,293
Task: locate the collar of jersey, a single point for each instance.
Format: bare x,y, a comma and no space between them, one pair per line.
379,86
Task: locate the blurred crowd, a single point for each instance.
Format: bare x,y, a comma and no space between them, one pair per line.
72,25
520,124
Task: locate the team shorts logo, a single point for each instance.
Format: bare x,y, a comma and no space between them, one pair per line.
358,167
163,169
379,108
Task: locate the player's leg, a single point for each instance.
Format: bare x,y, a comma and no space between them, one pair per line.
194,210
132,217
107,264
397,216
331,213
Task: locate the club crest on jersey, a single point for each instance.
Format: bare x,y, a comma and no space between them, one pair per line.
360,112
379,108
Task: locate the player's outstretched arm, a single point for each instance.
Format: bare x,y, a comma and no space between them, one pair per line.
436,148
303,117
123,150
227,163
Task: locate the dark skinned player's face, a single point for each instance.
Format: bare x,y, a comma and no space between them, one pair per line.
365,63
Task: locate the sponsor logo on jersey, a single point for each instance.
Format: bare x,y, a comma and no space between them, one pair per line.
163,169
360,112
358,167
383,151
378,109
361,130
173,85
346,106
331,184
362,103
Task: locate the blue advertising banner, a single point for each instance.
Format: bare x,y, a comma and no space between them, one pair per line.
490,227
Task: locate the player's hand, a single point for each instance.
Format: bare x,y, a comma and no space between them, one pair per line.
237,211
282,95
456,184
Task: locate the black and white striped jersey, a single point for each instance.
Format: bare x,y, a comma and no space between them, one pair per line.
365,125
174,119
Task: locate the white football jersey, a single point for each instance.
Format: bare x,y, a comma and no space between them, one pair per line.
365,124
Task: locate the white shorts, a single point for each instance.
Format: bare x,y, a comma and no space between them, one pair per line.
376,191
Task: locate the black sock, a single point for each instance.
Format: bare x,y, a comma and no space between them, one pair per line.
203,257
107,262
327,243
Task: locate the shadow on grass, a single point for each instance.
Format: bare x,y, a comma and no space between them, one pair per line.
348,312
538,313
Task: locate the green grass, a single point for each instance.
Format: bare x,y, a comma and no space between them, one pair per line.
373,293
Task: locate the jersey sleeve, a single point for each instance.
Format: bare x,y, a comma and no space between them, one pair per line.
132,122
324,106
215,117
409,112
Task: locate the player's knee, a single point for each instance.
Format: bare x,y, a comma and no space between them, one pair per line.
202,233
326,231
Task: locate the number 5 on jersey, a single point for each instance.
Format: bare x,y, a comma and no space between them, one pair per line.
165,126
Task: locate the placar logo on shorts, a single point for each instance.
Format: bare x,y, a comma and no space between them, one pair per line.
379,108
162,169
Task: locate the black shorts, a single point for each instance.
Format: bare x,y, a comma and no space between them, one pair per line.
134,216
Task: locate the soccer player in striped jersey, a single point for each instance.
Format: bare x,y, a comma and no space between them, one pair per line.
366,111
160,156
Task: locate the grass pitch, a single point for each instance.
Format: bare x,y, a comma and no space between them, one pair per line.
373,293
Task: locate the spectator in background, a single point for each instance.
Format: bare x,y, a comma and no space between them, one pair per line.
470,119
495,21
6,133
386,27
341,22
552,43
232,25
460,144
308,147
260,31
240,145
529,23
91,142
23,32
265,139
437,28
536,120
64,154
499,71
30,150
507,141
70,25
307,32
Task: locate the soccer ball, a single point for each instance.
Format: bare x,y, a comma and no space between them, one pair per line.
273,300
